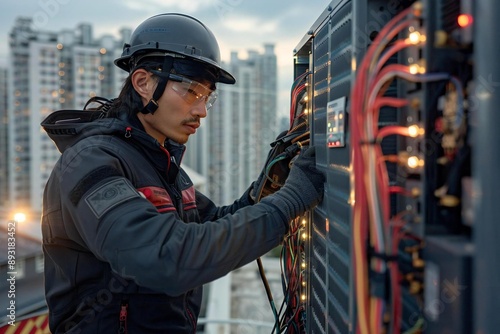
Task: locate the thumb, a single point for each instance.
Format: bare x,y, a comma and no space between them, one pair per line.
309,152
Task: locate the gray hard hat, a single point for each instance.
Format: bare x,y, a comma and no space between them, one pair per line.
177,35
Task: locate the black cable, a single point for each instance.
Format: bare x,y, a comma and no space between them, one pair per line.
293,142
268,291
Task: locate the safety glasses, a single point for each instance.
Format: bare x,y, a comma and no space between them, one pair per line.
192,91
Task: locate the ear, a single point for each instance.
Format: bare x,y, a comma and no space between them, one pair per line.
143,84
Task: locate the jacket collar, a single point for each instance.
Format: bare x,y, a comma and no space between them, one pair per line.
166,157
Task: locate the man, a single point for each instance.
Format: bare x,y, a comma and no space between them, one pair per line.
128,242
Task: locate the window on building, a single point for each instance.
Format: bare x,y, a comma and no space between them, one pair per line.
20,269
39,264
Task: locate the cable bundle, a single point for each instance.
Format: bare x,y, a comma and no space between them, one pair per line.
371,213
291,316
286,146
293,266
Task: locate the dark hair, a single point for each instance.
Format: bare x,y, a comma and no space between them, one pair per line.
129,101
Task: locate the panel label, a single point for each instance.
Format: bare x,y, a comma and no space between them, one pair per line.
335,123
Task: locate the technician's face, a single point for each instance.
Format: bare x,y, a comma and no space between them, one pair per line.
180,109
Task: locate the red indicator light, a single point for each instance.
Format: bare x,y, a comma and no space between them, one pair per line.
464,20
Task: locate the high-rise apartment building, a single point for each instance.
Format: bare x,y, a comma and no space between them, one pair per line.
232,144
4,172
50,71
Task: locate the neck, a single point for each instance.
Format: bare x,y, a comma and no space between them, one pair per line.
149,130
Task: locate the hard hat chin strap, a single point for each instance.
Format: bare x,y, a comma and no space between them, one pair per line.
152,105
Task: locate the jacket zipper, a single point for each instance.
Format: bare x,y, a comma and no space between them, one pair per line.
188,310
123,318
172,186
175,189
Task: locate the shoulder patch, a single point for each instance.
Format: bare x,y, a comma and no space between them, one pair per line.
90,180
110,195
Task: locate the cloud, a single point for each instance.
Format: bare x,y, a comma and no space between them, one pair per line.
158,6
239,25
249,24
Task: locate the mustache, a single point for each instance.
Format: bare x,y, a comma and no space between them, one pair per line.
191,120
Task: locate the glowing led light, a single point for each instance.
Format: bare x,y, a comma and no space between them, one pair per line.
414,37
303,265
413,68
59,46
413,162
304,235
303,297
102,51
465,20
20,217
304,222
413,131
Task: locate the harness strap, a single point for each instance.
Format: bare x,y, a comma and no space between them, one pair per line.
152,105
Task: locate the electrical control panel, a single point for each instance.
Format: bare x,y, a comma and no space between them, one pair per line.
397,103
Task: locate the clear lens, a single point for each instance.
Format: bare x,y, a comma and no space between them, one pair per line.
192,91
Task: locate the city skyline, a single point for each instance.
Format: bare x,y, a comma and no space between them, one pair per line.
239,25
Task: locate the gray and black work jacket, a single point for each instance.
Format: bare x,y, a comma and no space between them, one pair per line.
128,242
